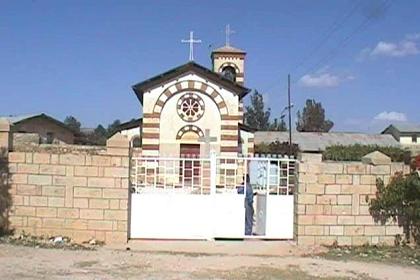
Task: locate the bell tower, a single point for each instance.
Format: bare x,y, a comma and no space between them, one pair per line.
229,61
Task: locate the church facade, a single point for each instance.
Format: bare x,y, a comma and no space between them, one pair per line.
190,110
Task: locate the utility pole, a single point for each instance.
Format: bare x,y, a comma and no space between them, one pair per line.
290,115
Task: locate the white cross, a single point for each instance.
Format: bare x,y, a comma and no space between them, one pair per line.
228,32
207,139
191,41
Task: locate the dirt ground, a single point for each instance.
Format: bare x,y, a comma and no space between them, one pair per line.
160,262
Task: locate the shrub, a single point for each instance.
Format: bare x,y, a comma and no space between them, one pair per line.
357,151
399,202
278,148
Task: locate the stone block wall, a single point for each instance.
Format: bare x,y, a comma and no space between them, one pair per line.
77,194
332,202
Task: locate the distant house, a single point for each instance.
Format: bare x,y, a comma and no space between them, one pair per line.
42,127
132,129
404,133
319,141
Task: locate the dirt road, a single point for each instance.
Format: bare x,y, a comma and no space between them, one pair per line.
17,262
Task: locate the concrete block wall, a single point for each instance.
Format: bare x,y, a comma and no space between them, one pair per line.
332,202
74,194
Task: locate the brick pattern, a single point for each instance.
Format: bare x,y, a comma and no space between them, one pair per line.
77,195
332,203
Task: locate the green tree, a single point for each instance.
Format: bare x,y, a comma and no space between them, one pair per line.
312,118
112,128
258,117
399,201
72,123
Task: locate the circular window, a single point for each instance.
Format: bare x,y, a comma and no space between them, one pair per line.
190,107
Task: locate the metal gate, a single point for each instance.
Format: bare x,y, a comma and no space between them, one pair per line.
205,198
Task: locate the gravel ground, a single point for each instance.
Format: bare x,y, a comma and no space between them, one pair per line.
18,262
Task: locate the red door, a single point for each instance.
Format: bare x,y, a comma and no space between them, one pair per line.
190,169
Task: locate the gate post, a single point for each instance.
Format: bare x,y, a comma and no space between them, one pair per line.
213,173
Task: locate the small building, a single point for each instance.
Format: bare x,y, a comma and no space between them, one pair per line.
406,134
40,128
132,129
319,141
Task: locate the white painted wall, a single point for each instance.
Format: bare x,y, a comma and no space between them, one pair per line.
409,140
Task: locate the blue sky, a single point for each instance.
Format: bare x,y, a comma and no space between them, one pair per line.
361,60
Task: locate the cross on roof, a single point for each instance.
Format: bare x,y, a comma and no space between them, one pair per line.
191,41
228,32
207,139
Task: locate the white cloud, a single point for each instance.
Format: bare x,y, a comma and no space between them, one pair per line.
401,49
323,80
391,116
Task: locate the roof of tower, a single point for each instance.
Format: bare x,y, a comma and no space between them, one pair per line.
228,49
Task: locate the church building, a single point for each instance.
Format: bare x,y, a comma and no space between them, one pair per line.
191,110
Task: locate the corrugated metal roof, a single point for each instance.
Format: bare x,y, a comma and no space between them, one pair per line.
18,118
315,141
404,127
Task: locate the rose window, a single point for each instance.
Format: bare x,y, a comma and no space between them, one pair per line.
190,107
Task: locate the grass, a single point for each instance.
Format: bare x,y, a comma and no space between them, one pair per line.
401,255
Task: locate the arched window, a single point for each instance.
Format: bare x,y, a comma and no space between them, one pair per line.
229,73
136,142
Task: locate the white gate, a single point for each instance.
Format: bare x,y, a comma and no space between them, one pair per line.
204,198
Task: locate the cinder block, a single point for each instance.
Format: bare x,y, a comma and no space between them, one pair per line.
360,240
380,170
101,182
71,213
98,203
115,193
52,169
53,223
19,179
89,171
364,220
28,158
16,157
306,198
314,209
99,225
357,168
308,178
116,161
329,199
83,235
344,179
53,191
374,230
344,199
76,224
124,204
28,168
29,190
345,220
325,220
116,237
72,159
46,212
305,219
314,189
24,211
344,240
336,230
38,201
55,201
54,159
34,222
341,210
120,215
80,203
332,189
101,160
325,240
314,230
332,168
116,172
39,179
353,230
368,180
114,204
91,214
364,210
326,179
87,192
306,240
43,158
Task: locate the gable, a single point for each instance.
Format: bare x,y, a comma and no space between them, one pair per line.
188,68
